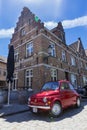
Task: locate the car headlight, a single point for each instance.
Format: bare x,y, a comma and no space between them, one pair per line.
44,99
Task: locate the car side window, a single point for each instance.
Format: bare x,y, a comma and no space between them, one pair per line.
71,86
64,86
67,86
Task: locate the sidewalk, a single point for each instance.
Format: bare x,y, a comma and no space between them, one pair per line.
11,109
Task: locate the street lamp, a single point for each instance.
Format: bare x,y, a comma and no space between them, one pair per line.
49,49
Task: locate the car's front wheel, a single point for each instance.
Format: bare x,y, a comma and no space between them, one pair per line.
56,109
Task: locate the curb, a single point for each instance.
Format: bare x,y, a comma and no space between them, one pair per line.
13,113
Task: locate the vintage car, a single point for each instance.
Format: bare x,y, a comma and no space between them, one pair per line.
54,97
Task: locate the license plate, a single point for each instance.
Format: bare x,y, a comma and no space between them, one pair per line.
34,110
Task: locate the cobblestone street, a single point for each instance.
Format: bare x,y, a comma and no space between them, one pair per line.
71,119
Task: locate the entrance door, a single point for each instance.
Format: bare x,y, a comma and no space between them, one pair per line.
66,75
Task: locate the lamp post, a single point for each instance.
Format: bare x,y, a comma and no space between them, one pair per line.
49,49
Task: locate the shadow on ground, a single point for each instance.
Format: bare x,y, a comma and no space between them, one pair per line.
28,116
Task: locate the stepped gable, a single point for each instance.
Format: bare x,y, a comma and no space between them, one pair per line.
27,17
78,47
59,32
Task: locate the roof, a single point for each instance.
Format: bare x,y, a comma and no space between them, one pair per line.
3,59
78,47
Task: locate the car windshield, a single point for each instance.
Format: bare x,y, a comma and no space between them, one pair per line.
50,86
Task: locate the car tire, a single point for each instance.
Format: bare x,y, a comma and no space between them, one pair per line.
78,102
56,109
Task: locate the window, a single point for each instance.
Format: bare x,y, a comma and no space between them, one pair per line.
29,78
23,32
84,80
52,51
29,49
4,73
73,80
64,86
50,86
81,64
86,66
63,55
16,55
73,63
71,87
54,75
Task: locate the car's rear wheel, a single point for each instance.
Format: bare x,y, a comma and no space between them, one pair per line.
78,102
56,109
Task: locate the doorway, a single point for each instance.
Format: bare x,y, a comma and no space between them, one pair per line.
66,75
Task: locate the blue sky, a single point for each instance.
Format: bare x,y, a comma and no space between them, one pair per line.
72,14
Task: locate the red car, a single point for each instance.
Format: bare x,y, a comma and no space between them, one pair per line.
54,97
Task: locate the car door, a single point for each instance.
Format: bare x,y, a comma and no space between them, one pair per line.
72,93
65,94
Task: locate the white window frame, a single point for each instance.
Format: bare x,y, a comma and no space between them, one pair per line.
53,74
53,50
63,55
74,80
84,80
81,64
23,32
29,49
29,76
73,61
16,55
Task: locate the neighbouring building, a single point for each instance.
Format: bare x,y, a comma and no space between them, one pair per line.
3,62
43,55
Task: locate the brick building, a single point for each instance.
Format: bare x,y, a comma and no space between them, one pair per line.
3,62
43,55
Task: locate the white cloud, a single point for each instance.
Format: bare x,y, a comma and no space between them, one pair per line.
32,1
6,33
81,21
50,24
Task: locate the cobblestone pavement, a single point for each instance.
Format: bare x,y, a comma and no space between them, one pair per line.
71,119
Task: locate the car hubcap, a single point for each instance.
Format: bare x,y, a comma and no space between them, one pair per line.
56,110
78,102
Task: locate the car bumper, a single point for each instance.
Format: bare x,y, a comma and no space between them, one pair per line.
40,107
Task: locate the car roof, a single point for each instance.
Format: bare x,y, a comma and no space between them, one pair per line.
63,81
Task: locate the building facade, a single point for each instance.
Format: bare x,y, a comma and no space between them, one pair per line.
3,62
43,55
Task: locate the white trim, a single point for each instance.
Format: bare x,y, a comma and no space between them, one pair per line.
34,29
41,107
27,41
65,48
54,35
55,43
48,66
